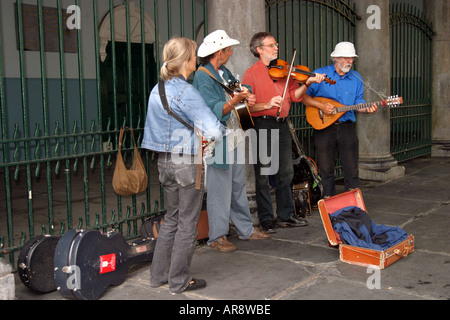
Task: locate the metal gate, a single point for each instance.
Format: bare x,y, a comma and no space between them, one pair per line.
59,134
313,27
411,44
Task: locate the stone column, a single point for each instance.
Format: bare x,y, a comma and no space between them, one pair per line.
240,20
7,286
373,48
438,12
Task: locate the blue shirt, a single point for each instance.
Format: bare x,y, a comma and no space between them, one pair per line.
348,90
163,133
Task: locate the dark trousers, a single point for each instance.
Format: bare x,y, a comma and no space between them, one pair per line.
278,136
338,139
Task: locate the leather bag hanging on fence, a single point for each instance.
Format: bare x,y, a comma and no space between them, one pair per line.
129,181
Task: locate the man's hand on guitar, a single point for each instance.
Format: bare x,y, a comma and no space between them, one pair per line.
327,108
371,109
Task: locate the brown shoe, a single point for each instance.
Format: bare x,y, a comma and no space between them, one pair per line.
223,245
258,235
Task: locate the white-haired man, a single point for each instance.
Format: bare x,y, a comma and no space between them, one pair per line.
340,137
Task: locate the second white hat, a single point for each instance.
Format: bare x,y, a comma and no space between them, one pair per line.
344,49
214,42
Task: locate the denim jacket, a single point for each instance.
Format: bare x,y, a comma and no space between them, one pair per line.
163,133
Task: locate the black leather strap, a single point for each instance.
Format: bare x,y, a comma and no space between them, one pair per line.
162,94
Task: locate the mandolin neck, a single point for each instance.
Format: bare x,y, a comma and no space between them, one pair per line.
359,106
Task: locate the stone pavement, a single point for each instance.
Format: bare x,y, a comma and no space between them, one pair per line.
298,264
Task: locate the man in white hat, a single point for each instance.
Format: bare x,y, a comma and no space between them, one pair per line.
226,185
340,137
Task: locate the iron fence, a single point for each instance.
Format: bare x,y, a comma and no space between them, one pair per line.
411,45
67,85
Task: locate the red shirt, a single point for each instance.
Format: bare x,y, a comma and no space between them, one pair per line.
257,76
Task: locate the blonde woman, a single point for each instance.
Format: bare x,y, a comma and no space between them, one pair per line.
177,167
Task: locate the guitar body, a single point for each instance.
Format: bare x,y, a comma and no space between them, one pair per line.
319,120
245,118
87,262
35,263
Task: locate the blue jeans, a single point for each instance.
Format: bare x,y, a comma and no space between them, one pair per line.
177,237
337,139
284,175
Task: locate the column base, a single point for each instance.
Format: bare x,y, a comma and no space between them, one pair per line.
380,169
440,148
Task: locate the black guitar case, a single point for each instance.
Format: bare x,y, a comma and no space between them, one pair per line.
87,262
35,263
305,170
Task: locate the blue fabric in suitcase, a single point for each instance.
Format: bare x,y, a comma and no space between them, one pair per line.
357,229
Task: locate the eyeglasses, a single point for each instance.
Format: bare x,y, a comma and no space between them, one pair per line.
272,45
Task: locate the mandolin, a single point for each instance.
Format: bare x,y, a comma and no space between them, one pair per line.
318,120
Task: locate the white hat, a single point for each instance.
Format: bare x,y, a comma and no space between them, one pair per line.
344,49
214,42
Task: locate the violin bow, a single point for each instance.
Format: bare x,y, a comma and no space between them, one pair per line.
287,82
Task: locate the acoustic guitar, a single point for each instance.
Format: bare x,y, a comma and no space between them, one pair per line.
242,111
318,120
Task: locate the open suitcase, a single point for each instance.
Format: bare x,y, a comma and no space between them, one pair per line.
358,255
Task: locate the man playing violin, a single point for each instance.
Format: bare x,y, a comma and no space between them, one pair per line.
227,195
339,137
269,115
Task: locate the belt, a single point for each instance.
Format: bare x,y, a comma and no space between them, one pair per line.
342,122
273,118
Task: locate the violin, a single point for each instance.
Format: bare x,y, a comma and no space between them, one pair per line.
279,69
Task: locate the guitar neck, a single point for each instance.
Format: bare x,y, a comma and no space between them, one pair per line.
359,106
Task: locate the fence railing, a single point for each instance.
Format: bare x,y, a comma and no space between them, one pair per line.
411,47
66,87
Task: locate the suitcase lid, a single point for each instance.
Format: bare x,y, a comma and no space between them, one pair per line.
330,205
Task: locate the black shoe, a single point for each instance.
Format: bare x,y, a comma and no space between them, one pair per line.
292,222
196,284
267,226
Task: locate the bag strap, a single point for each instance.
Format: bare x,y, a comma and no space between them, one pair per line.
162,94
228,90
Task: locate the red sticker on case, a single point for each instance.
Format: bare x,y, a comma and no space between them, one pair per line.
107,263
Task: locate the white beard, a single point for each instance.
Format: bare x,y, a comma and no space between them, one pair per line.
345,68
